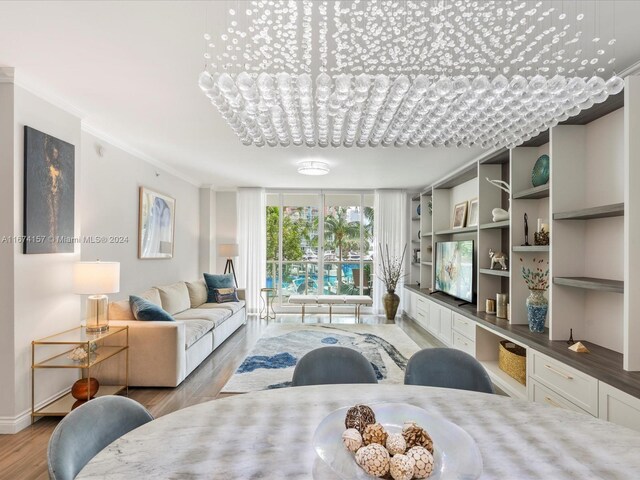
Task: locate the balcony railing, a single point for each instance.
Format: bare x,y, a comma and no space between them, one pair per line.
338,278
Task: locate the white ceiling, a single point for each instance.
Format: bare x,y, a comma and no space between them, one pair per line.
130,69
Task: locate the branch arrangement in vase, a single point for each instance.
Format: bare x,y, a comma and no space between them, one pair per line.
535,277
391,268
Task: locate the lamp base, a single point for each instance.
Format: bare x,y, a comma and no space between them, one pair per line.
96,314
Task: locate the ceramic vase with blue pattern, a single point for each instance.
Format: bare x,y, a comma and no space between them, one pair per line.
537,307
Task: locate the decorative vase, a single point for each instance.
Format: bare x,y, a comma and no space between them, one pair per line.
82,390
391,303
540,172
537,307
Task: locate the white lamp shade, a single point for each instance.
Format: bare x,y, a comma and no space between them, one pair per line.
92,278
228,250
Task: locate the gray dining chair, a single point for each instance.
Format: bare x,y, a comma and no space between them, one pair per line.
88,429
331,365
448,368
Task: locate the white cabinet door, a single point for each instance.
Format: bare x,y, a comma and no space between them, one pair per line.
409,303
618,407
445,326
434,319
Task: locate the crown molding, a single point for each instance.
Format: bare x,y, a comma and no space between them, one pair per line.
88,128
630,70
48,96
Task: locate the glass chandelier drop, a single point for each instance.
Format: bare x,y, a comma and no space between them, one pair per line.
404,73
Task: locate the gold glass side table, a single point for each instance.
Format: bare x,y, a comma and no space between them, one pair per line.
266,301
91,342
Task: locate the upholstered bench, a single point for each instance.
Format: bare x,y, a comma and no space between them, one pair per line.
357,300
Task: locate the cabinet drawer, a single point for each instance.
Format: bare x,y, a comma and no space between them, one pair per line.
575,386
538,393
463,343
465,326
422,303
618,407
422,319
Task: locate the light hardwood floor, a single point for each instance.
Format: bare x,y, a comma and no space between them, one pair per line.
23,456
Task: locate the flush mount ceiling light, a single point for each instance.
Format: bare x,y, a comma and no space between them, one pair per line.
313,167
411,73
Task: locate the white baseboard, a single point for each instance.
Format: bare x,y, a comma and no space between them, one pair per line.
11,425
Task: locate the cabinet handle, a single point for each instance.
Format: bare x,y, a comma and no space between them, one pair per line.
552,402
558,372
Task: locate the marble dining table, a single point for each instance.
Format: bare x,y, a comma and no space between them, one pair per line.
269,434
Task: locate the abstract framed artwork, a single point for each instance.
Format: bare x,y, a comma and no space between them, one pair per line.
156,227
473,216
49,193
460,215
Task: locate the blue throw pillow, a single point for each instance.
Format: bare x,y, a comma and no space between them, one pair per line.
226,295
217,281
145,310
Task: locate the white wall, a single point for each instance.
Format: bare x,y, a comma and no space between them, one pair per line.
109,207
44,304
35,290
226,223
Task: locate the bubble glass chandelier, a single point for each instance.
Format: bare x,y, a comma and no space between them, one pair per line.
428,73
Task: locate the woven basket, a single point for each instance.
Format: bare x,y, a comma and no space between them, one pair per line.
512,359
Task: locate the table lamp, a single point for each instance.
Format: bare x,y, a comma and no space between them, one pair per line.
229,250
96,279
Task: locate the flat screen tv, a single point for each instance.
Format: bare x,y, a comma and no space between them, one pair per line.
454,269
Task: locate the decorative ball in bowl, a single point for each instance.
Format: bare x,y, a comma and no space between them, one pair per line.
397,441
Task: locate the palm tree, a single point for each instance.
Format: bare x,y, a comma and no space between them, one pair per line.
339,231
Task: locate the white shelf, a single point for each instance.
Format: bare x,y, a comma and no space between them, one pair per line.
510,386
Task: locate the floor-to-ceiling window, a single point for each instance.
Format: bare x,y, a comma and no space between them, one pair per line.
319,243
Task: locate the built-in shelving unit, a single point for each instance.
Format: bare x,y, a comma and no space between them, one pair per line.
531,248
452,231
604,211
414,272
582,206
533,193
497,273
590,283
489,226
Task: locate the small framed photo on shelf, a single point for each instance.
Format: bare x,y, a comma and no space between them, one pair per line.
472,220
460,215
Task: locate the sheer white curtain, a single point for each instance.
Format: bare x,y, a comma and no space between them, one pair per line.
252,243
390,230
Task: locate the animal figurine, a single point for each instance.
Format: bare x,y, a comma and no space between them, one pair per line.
498,258
499,214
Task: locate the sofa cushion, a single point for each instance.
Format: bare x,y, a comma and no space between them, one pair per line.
215,316
195,329
217,281
197,292
233,307
120,310
153,295
226,295
175,297
146,310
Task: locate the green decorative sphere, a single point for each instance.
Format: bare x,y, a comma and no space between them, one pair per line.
540,172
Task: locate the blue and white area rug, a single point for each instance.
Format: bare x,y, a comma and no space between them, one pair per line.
271,362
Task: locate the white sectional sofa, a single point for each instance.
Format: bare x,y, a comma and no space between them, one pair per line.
163,354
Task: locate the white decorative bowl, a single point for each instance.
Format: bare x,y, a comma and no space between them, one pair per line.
456,455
